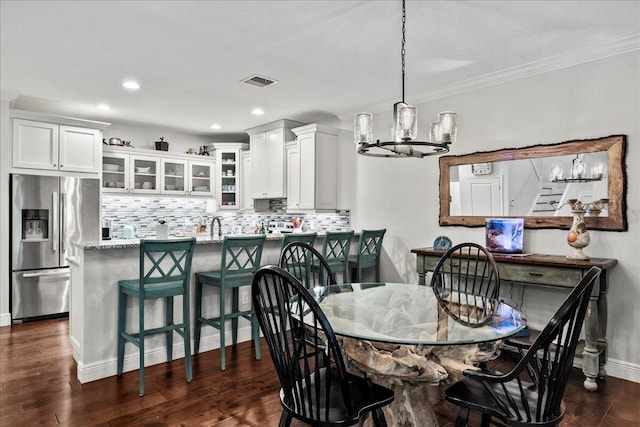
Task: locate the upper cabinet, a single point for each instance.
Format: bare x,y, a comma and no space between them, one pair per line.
268,164
56,147
311,169
125,170
229,176
246,193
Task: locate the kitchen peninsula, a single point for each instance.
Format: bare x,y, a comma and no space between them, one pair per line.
95,270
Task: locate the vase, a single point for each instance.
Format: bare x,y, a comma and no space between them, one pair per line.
578,237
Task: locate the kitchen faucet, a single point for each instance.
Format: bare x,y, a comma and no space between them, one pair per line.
213,221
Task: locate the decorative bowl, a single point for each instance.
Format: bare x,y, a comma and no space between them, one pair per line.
111,168
143,169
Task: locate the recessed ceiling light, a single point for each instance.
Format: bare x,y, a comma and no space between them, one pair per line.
104,107
257,112
215,126
130,84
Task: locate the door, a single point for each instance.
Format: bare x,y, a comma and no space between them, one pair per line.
247,200
39,293
174,178
35,145
275,163
35,219
259,166
144,174
307,144
115,173
481,196
201,178
79,214
293,177
80,149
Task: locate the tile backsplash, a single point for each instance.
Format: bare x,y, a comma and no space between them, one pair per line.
183,214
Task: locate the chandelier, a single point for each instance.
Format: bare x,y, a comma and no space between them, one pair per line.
403,141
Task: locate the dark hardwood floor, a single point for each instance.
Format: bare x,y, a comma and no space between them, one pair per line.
38,386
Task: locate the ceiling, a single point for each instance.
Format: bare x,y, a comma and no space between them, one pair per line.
331,58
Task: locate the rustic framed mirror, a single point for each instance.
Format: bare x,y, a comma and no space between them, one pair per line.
535,183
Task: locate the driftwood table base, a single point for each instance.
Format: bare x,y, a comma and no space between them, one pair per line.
410,370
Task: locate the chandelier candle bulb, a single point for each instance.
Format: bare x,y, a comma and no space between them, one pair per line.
448,128
362,125
434,132
406,127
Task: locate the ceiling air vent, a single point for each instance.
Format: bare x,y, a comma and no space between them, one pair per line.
259,81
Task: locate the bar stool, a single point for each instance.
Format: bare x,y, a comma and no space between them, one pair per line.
308,238
335,250
369,248
240,260
165,271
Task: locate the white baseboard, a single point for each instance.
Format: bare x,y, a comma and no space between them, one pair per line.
623,370
108,367
5,319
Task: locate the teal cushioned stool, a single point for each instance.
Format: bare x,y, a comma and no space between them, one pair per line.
369,248
240,260
335,250
165,271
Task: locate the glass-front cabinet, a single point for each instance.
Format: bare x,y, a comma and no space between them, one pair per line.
115,173
175,176
134,171
201,178
229,179
144,174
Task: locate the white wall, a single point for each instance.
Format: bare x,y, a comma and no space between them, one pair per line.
590,100
5,162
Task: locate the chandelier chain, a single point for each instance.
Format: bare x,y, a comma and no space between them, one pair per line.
402,51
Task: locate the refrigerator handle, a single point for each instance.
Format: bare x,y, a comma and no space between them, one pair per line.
54,219
63,236
46,274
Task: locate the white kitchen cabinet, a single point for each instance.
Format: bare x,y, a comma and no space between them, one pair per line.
311,169
201,178
229,176
144,174
174,176
115,173
126,170
247,199
55,147
268,158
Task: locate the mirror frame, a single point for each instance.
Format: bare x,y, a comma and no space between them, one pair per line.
615,146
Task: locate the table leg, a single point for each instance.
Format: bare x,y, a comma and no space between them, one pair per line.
421,269
410,406
590,359
602,322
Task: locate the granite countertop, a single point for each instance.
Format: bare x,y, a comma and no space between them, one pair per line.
135,243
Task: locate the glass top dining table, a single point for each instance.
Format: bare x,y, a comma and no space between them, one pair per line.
407,314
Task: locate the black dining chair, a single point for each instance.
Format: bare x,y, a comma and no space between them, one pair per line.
315,393
466,283
299,259
547,363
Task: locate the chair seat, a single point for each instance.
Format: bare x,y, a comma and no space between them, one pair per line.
152,290
231,280
365,396
473,395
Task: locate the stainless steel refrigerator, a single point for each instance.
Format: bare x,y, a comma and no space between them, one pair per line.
47,215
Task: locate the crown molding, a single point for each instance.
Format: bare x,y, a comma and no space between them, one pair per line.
7,96
553,63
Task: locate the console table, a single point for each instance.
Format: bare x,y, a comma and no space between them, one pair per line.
552,271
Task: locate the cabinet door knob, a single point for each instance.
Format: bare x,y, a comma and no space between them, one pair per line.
55,165
61,166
